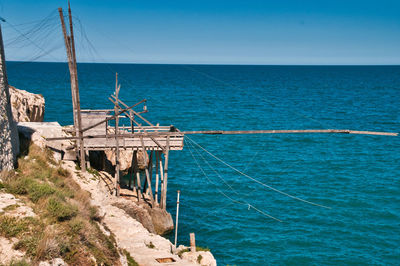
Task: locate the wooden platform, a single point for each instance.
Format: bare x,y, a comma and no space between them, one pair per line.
156,143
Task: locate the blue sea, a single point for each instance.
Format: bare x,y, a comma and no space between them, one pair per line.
356,176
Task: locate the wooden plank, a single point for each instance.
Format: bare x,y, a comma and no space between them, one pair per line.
235,132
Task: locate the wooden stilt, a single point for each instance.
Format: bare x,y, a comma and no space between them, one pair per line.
157,175
161,179
147,175
164,198
117,163
150,167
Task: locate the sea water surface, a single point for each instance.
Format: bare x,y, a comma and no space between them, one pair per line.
356,176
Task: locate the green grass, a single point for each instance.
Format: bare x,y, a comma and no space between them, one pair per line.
131,261
11,226
22,262
61,210
198,248
66,224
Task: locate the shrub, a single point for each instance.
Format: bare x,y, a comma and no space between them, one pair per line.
39,190
60,210
11,226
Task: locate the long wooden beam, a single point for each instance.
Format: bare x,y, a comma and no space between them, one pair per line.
232,132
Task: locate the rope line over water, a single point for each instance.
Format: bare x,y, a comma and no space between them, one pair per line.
247,204
257,181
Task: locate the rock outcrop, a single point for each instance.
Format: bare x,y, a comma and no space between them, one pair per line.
26,106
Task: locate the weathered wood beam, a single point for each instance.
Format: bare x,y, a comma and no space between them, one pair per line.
233,132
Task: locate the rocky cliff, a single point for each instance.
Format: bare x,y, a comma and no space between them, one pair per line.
26,106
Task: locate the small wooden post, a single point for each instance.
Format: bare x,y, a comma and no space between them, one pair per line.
164,196
192,242
176,218
161,180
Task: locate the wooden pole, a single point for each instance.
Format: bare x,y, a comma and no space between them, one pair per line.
147,174
161,179
136,172
192,242
117,163
176,218
150,167
164,199
70,48
157,175
77,97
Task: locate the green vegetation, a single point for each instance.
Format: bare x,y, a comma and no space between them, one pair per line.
66,225
93,171
131,261
150,245
199,258
198,248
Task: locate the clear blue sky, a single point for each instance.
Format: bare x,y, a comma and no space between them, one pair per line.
217,32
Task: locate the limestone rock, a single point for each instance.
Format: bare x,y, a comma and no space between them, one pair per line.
36,132
125,158
155,220
26,106
162,220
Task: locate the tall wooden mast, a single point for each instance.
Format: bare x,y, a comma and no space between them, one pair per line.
70,48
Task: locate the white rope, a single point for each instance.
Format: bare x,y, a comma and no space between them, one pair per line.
233,200
255,180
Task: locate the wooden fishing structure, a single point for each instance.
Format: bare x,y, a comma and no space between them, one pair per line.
100,130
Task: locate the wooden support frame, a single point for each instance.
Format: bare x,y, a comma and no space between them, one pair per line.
132,119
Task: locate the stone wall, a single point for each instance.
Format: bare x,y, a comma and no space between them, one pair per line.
9,144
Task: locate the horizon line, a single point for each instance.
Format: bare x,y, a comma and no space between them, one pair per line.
205,64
